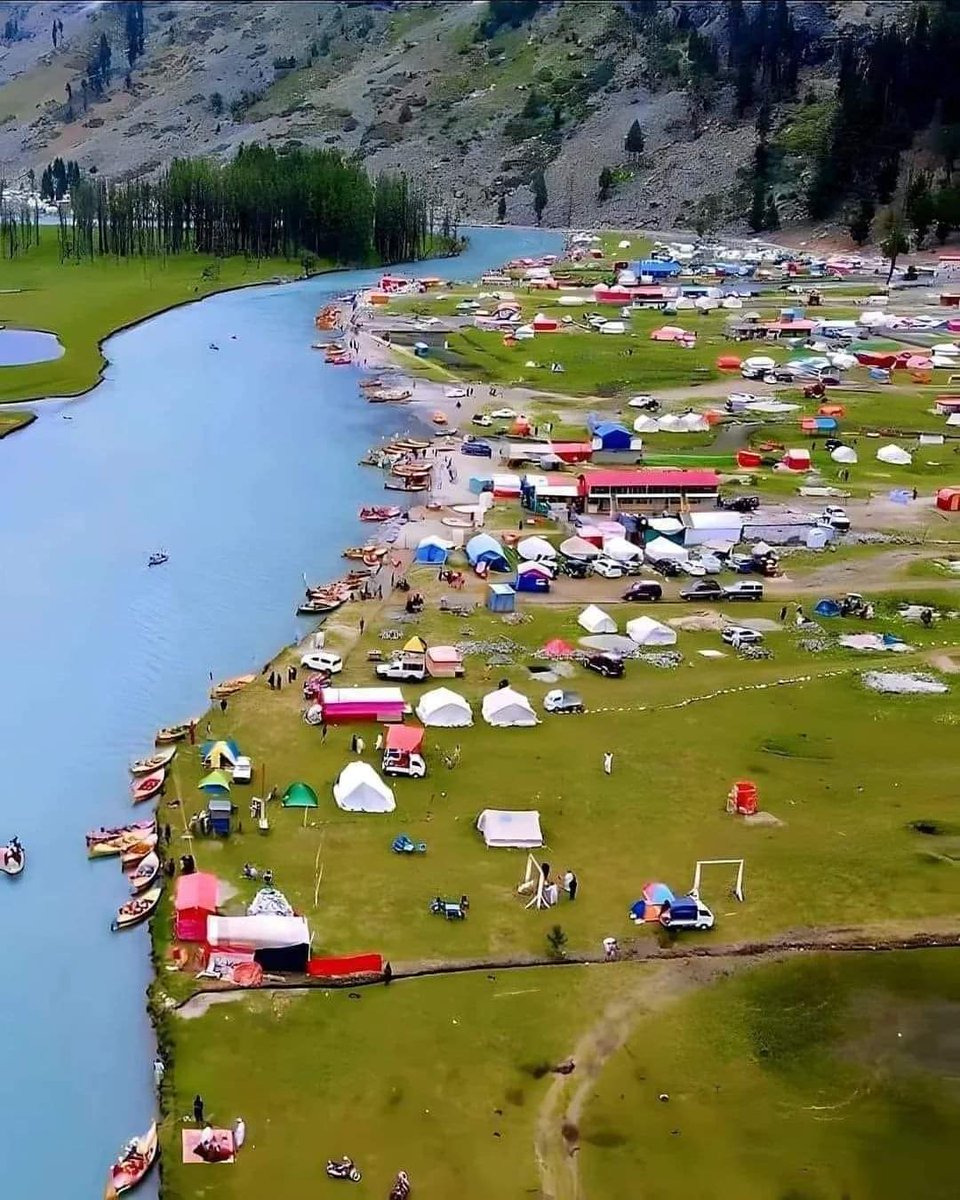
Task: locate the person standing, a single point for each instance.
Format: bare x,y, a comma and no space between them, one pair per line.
158,1070
360,746
353,744
570,884
198,1109
783,614
362,624
608,763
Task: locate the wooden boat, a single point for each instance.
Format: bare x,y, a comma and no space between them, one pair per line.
97,837
137,909
172,733
389,396
312,608
133,1164
158,559
339,359
144,873
364,551
438,418
410,485
409,443
13,858
412,470
372,384
134,852
122,844
229,687
145,766
146,786
378,512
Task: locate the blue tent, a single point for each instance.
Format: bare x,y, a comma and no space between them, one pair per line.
530,581
431,550
485,549
827,608
612,435
656,268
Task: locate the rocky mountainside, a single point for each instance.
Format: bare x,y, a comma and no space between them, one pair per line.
475,99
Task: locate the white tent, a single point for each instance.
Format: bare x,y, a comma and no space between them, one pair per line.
954,419
645,424
665,525
760,362
621,550
712,526
595,620
536,547
507,707
645,631
694,422
578,547
841,359
613,327
444,709
669,423
894,456
732,302
660,547
844,454
265,931
515,829
360,789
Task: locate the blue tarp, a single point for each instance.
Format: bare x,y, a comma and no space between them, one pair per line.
485,549
656,267
531,581
612,435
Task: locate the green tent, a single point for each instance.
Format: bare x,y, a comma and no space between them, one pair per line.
216,781
299,795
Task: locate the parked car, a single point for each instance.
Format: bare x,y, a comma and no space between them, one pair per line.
322,660
836,518
703,589
477,448
711,563
402,672
741,504
482,419
741,635
780,375
503,414
401,762
242,770
610,666
557,701
665,567
743,564
606,568
690,566
743,589
643,591
576,568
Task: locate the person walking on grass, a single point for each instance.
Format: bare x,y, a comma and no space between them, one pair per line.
198,1109
570,884
608,763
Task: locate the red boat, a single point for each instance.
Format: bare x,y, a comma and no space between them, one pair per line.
378,512
134,1163
339,360
147,785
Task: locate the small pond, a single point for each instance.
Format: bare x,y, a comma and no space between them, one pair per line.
18,347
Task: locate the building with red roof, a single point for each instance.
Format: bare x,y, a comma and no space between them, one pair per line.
646,488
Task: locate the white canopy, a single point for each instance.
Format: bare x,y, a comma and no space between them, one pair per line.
620,549
954,419
444,708
661,548
537,566
507,707
894,456
667,525
759,362
694,422
514,829
595,620
536,547
844,454
669,423
645,424
711,526
645,631
266,931
360,789
578,547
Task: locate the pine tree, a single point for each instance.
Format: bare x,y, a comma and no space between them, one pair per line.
634,141
539,187
501,208
919,208
860,221
758,207
604,184
771,215
890,230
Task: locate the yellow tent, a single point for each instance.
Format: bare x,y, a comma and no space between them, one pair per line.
416,645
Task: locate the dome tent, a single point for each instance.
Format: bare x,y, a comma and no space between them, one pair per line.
535,547
444,709
508,708
844,454
360,789
894,456
595,620
486,550
432,550
645,631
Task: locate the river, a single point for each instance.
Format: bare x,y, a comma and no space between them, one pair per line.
240,463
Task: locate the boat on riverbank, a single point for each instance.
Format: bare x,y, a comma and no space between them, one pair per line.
172,733
135,852
136,910
389,395
133,1164
145,766
123,841
143,873
407,485
313,608
100,837
228,687
369,550
146,786
378,512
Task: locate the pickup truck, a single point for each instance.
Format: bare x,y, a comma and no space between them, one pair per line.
835,517
402,672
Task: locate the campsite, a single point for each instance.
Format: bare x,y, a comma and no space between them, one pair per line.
583,658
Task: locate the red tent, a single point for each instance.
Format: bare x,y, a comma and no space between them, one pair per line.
729,362
405,739
558,648
195,900
948,499
749,458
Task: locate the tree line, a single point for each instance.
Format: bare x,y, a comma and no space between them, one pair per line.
262,203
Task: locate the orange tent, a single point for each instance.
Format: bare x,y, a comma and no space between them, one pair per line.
728,362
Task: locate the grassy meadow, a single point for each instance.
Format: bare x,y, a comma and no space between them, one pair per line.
83,302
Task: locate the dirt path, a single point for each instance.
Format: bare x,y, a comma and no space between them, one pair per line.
557,1132
876,572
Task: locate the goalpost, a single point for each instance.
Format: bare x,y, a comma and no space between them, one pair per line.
533,884
737,888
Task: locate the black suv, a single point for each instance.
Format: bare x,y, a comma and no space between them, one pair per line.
703,589
665,567
741,504
576,568
607,665
643,590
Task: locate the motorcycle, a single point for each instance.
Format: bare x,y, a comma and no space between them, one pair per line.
346,1168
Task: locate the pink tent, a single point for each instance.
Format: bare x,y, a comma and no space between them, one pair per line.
195,900
558,648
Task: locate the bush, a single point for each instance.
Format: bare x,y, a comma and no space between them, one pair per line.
556,942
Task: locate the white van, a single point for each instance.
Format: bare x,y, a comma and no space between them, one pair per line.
743,589
322,660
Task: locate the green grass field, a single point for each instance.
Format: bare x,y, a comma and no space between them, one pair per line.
82,303
811,1079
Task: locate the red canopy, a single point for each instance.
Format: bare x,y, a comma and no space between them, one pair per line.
558,648
407,739
198,891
